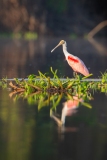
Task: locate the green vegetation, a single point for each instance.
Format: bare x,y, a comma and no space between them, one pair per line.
27,35
44,90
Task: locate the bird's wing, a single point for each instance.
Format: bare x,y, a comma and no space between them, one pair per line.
77,65
81,67
73,59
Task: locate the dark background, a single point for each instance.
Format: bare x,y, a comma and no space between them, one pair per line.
51,17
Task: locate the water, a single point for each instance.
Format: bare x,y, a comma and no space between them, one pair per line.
28,128
28,132
20,58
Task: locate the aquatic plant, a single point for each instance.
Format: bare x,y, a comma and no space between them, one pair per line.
45,90
44,83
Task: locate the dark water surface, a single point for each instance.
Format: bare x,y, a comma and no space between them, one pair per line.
27,131
19,58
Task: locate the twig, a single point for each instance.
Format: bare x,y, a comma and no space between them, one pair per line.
97,29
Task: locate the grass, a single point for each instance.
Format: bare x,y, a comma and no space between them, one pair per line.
44,83
45,90
42,90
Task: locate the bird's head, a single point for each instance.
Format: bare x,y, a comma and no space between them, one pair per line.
59,44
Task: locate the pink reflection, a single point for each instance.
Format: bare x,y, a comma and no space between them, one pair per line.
70,107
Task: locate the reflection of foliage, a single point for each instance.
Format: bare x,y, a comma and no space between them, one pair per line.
43,90
16,128
26,126
43,99
3,83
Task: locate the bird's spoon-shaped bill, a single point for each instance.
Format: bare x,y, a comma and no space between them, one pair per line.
56,47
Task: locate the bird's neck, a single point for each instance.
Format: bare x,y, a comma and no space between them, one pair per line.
64,46
65,50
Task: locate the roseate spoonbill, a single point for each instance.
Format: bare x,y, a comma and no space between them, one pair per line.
76,63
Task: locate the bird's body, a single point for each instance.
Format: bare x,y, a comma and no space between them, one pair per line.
76,63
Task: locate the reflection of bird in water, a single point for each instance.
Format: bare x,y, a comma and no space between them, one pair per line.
76,63
69,108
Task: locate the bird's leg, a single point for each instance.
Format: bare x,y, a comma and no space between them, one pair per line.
75,74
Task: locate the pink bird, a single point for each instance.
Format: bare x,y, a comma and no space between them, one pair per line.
76,63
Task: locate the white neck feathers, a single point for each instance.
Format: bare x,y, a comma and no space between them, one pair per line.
64,46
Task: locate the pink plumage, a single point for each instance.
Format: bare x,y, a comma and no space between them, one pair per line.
75,63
